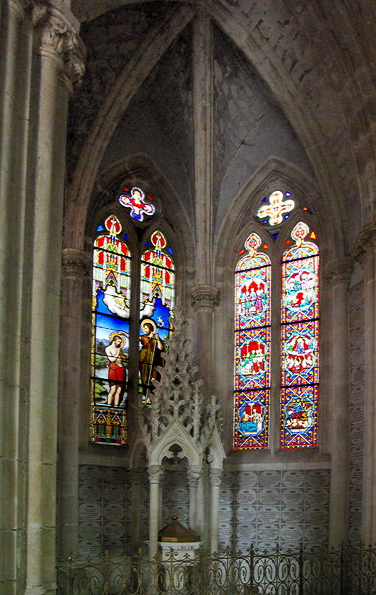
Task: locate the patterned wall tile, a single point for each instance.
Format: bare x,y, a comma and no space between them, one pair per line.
270,507
175,497
263,508
104,498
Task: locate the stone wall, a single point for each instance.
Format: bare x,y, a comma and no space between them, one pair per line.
356,410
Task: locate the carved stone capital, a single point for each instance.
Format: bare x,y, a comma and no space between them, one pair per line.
18,7
365,242
75,263
155,473
194,474
56,35
339,270
204,297
215,477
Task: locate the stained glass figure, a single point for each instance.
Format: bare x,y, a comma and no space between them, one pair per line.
135,201
252,348
276,208
156,303
110,335
299,342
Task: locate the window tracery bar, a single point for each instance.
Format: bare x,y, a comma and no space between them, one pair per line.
299,342
252,348
110,335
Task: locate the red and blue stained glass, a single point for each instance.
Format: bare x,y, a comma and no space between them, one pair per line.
110,336
134,200
156,304
299,342
252,348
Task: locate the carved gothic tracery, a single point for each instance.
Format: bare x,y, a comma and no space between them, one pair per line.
177,396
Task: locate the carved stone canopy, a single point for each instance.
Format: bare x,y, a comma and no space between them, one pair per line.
180,414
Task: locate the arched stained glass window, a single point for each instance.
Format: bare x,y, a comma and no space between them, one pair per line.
299,341
252,348
110,335
156,303
122,329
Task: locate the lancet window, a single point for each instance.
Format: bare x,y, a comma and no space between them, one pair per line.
262,280
252,347
299,341
120,319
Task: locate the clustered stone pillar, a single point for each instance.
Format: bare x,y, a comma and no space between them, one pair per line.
366,253
204,295
41,58
15,52
338,275
75,279
55,47
204,299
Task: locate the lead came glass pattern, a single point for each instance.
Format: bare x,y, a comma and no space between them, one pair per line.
156,304
299,341
110,335
134,200
252,348
277,207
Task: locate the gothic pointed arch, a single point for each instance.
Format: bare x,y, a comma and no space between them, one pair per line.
272,175
114,106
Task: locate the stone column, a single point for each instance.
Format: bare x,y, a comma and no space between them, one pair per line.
203,505
215,484
338,275
365,251
57,60
204,295
75,279
204,299
32,159
15,69
194,474
155,475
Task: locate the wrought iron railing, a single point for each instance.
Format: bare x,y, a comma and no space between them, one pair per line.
341,571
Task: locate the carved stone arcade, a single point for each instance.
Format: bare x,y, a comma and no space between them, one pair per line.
182,425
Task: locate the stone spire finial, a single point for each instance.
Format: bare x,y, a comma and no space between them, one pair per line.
177,396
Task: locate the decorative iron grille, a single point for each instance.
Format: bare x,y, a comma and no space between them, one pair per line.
307,571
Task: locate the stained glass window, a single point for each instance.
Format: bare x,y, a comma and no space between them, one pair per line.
252,348
134,200
156,303
273,212
299,341
110,335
